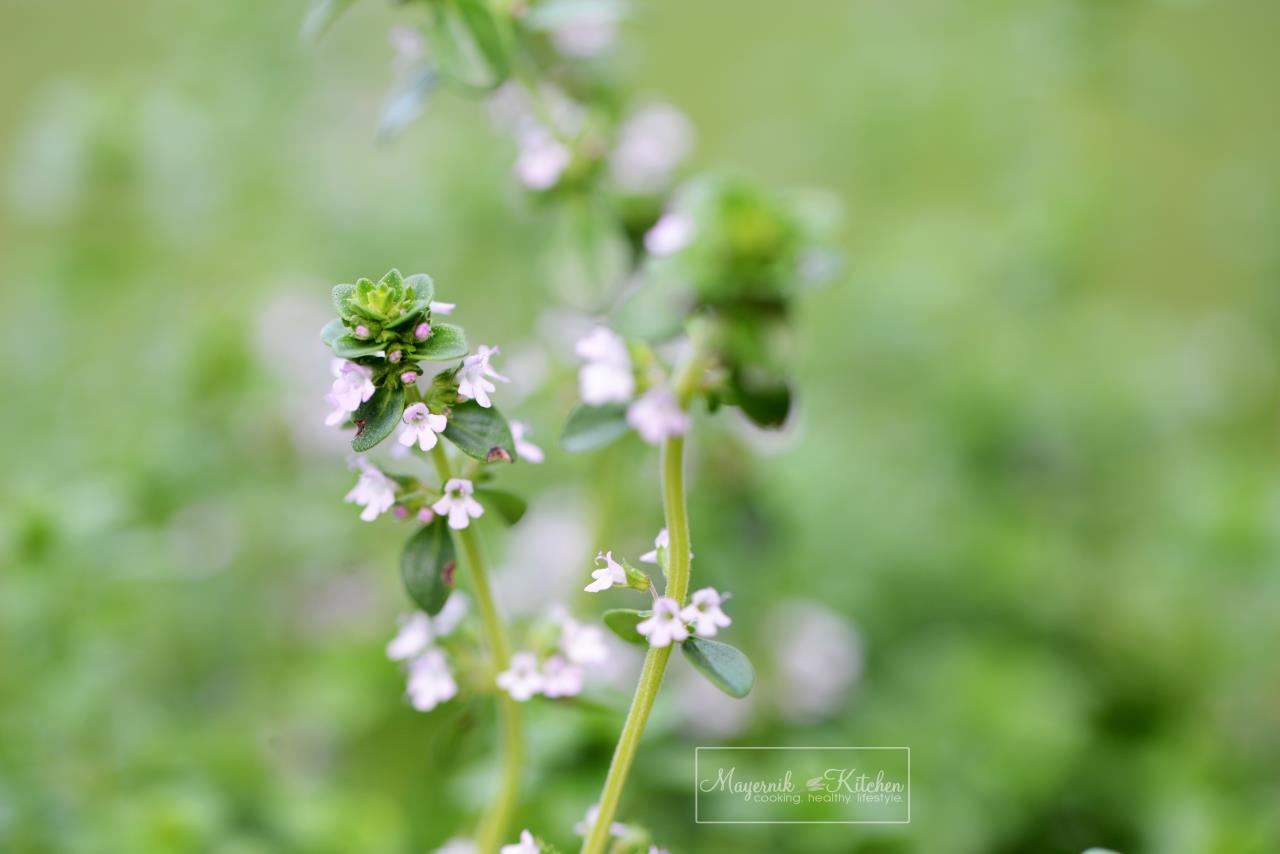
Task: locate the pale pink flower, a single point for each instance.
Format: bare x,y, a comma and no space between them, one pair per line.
704,612
657,416
521,679
651,144
526,845
443,307
458,503
430,682
413,637
607,376
560,678
671,233
542,158
473,378
374,491
610,575
583,827
666,624
421,426
352,386
582,644
524,448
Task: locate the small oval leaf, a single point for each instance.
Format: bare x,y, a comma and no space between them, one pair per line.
508,505
480,432
377,417
332,331
348,347
622,622
446,342
726,667
427,566
592,427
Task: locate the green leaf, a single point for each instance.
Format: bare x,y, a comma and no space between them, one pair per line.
350,347
508,505
333,330
592,427
424,289
480,432
377,417
483,28
320,16
726,667
342,300
622,622
446,342
427,565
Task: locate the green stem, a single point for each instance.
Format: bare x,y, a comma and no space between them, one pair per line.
493,827
655,661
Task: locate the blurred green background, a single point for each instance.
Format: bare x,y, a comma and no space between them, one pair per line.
1028,513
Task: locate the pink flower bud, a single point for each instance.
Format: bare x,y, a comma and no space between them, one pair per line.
395,356
426,514
401,512
422,331
409,377
362,331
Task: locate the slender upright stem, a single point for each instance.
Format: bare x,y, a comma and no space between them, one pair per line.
493,827
655,661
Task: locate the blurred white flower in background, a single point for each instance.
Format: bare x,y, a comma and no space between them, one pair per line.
430,682
656,416
374,491
607,376
526,845
522,679
817,659
526,450
457,845
652,142
414,637
542,158
583,827
671,233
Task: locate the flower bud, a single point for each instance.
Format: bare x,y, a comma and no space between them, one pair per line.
401,512
426,514
395,356
409,377
422,331
362,331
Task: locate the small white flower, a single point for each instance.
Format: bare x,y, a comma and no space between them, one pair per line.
542,159
610,575
657,415
374,491
671,233
430,682
521,679
473,378
457,845
442,307
607,376
662,541
561,678
458,503
524,448
651,143
352,386
414,637
704,612
526,845
666,624
582,644
583,827
421,426
451,615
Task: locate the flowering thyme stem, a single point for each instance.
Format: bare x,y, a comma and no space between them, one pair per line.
493,827
655,661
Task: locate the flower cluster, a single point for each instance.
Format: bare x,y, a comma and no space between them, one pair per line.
607,376
668,622
563,668
430,682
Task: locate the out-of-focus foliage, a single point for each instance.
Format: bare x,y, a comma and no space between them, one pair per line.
1024,519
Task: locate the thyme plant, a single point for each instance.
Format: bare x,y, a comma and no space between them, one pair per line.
695,317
